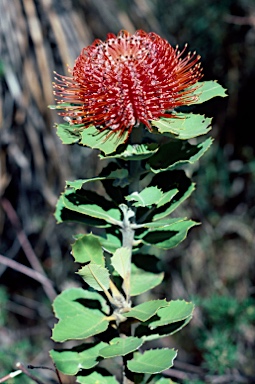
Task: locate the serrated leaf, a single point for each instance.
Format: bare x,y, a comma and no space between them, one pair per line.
69,134
207,90
121,347
121,261
67,303
176,310
167,197
146,197
96,378
95,276
76,321
110,243
175,154
119,174
135,152
179,187
77,184
71,362
142,281
148,334
169,236
88,249
64,214
164,223
146,310
184,126
111,216
152,361
107,141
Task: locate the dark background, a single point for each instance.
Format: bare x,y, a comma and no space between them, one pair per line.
40,36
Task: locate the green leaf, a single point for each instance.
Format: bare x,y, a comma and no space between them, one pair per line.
165,381
110,243
167,197
161,224
63,214
88,249
146,197
142,281
184,126
135,152
207,90
120,174
70,362
146,310
96,378
121,347
67,303
168,236
148,334
179,187
176,310
152,361
121,260
69,134
77,184
111,216
95,276
76,321
106,141
175,154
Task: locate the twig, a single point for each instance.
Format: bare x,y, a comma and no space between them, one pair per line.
26,271
50,369
26,372
10,375
58,375
29,252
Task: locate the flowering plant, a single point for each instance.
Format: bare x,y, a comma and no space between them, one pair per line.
121,99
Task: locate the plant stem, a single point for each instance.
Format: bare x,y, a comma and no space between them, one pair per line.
128,234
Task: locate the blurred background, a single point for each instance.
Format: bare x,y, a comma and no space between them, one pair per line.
214,266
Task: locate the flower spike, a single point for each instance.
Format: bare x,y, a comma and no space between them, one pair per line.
127,80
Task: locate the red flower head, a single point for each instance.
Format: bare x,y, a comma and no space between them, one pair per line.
126,80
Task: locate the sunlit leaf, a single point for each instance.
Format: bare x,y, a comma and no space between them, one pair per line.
88,249
71,362
146,310
146,197
175,154
64,214
135,152
110,242
142,281
95,276
76,204
184,126
207,90
121,261
76,321
96,378
148,334
69,134
152,361
176,310
121,346
168,236
106,140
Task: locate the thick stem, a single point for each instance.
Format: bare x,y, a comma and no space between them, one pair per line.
128,234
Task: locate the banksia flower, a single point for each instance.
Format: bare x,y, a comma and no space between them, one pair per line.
127,80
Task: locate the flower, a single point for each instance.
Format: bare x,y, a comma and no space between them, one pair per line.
127,80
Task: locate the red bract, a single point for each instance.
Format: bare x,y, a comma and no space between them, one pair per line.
127,80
